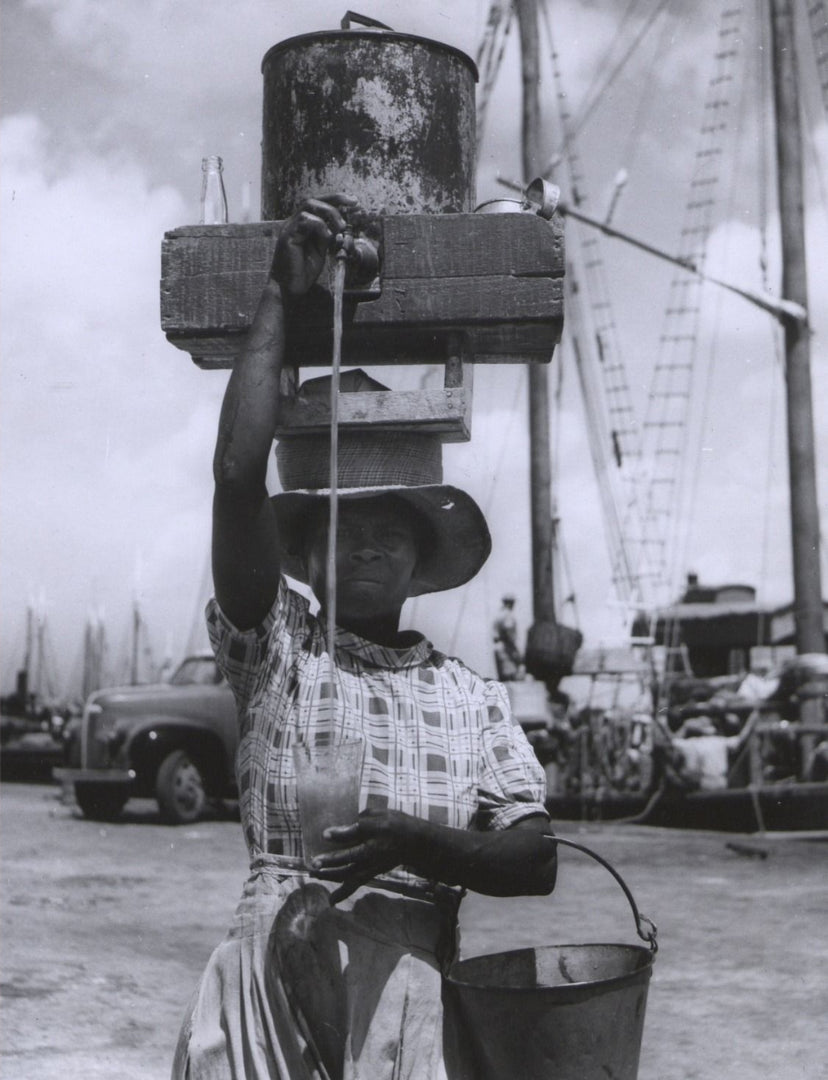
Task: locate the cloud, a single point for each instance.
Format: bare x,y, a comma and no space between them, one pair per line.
181,80
107,431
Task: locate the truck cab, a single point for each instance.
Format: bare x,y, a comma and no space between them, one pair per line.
173,741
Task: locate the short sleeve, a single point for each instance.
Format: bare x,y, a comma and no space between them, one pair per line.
512,784
241,655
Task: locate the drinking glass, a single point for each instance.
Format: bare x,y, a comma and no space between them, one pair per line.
327,784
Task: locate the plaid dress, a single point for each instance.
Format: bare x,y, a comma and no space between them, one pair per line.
440,744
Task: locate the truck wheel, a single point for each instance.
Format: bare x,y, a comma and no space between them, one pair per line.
179,788
100,802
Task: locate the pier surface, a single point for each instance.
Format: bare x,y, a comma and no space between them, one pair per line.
106,928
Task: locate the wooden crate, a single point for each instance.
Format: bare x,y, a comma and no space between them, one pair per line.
497,278
454,289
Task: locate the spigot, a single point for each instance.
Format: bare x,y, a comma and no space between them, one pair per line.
365,264
361,257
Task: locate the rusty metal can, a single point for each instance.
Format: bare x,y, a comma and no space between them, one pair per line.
385,117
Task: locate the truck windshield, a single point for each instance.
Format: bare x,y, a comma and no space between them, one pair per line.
197,671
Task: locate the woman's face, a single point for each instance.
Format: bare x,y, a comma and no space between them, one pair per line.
376,555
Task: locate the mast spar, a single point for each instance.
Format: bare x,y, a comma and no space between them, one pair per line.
551,647
543,585
804,507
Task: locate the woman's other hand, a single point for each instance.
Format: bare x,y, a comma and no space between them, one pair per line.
305,240
518,861
375,843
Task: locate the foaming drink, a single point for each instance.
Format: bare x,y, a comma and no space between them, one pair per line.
327,785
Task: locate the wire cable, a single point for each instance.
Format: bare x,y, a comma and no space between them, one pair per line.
488,502
490,59
595,96
645,100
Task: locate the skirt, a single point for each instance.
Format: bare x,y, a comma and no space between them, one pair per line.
300,990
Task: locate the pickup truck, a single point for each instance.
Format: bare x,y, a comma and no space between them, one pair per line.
175,741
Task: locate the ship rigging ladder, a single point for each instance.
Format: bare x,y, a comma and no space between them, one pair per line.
656,501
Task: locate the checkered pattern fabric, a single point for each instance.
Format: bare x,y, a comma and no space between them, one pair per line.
440,742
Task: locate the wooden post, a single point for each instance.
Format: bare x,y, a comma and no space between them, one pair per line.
543,587
755,766
550,647
810,636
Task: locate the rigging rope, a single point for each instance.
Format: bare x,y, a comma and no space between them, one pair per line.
488,502
622,573
645,99
818,15
562,571
490,57
597,91
670,394
685,514
605,354
778,367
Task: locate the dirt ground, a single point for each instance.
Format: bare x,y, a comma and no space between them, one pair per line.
105,930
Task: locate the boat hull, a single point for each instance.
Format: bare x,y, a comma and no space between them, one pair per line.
773,808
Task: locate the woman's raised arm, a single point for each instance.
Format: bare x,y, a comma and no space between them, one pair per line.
245,541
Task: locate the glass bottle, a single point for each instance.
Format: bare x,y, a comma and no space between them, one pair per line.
213,195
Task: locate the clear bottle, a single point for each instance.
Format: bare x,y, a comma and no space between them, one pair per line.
213,195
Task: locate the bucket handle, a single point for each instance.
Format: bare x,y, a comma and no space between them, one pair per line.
363,20
645,928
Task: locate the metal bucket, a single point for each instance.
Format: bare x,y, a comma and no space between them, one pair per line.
559,1012
504,206
385,117
540,197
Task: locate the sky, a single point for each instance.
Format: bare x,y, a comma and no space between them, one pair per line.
107,430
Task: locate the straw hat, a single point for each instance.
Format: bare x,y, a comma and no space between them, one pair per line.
406,464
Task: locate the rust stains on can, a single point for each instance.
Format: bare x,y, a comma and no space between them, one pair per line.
385,117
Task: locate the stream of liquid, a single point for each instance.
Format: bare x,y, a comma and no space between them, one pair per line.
337,288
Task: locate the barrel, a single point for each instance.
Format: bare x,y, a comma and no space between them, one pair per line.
385,117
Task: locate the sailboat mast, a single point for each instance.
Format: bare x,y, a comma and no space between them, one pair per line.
136,634
810,636
86,679
540,465
27,659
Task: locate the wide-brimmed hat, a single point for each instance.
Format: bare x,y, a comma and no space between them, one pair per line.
372,463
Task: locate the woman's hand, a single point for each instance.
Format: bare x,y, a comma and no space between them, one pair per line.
519,861
305,240
377,841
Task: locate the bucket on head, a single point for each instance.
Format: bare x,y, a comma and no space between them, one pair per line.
558,1012
539,197
385,117
504,206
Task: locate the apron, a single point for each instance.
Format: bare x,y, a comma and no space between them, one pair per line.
372,965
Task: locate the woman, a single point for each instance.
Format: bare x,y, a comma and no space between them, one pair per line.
453,794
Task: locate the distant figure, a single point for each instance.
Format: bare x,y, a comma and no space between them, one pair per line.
508,657
704,754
